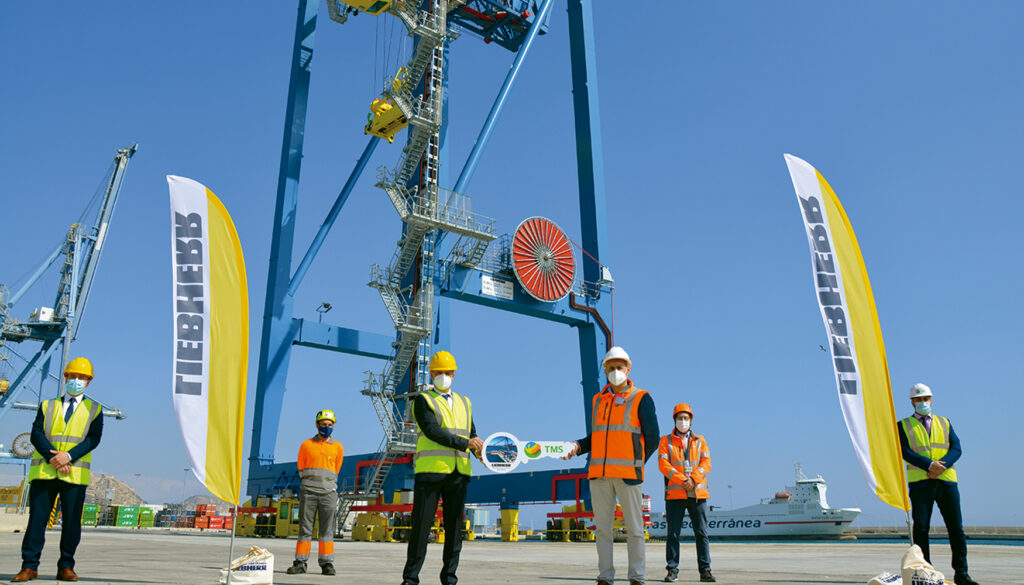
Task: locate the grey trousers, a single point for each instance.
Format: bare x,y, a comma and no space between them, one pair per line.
603,492
310,505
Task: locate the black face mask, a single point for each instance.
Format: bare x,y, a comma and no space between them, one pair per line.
325,431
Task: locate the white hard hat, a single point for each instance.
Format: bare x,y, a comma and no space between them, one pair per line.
919,389
616,353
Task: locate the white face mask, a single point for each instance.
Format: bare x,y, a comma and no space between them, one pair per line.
682,425
442,382
617,377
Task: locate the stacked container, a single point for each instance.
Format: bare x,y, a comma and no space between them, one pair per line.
146,517
90,514
127,516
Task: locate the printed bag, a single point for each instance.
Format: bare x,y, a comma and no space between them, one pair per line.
255,568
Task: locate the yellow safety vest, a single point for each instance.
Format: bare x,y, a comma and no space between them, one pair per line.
933,447
433,457
64,437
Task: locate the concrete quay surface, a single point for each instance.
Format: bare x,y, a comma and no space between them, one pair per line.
126,556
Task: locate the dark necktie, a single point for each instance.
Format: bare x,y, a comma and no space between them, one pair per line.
69,411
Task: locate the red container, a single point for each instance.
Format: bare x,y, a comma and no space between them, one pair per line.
216,522
228,523
202,521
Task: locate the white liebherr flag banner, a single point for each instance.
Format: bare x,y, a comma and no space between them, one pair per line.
211,335
855,336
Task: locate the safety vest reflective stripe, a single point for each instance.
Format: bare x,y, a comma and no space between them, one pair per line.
933,445
609,461
441,453
673,487
320,477
432,457
80,464
626,428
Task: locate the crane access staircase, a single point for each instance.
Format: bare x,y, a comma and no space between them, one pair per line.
424,208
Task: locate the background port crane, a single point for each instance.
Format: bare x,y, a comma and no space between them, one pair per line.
55,328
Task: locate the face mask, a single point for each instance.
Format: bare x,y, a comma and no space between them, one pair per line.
325,431
617,377
74,387
923,408
682,425
442,382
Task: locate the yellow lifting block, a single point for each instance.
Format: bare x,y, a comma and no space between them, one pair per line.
386,119
369,6
510,525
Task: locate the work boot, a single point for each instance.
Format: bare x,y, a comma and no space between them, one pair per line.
671,576
25,575
66,574
328,569
964,579
297,568
707,577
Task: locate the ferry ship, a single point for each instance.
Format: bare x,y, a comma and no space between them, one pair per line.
801,511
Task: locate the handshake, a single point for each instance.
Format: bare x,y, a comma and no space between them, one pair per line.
476,447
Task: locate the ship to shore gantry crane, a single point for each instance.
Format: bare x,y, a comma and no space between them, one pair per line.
446,250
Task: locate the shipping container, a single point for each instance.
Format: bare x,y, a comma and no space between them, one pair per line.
203,522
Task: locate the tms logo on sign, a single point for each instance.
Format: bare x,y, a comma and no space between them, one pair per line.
532,450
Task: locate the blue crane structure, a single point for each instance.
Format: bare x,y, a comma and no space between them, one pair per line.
429,268
55,328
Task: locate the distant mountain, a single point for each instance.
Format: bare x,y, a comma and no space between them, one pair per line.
108,490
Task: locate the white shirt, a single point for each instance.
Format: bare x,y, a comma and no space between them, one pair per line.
71,402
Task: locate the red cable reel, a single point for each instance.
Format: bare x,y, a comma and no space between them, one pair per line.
542,259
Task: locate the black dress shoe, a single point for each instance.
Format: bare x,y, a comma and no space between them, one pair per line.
964,579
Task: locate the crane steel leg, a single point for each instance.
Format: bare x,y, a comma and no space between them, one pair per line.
279,329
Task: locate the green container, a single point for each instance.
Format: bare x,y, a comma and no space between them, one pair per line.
146,523
91,508
128,523
134,509
146,513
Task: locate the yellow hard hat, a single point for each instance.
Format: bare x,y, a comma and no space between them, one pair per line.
325,415
79,365
443,362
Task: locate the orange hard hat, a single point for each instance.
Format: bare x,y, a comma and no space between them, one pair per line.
682,407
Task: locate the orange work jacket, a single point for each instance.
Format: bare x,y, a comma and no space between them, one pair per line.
616,442
319,464
679,458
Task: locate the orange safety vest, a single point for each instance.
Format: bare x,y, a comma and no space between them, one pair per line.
616,443
679,459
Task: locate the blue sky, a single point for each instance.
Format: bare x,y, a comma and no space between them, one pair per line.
910,110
